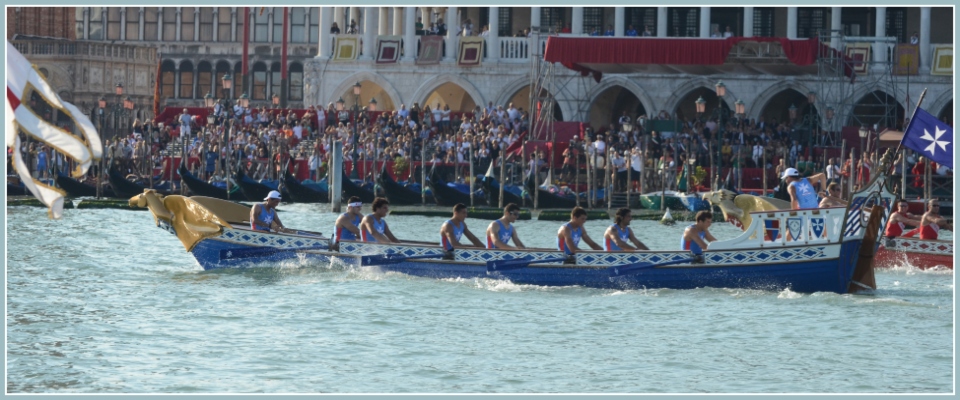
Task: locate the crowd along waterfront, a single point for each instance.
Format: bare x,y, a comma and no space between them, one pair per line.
103,302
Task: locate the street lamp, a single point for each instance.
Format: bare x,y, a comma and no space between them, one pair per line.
701,105
811,117
373,105
793,112
119,109
740,108
863,135
721,89
275,100
244,101
208,100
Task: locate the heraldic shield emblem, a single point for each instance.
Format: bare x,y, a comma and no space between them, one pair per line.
794,227
816,226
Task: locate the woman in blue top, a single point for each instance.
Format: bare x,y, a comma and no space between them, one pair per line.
617,235
454,228
501,231
696,236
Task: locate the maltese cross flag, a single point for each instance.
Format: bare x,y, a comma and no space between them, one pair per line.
25,82
930,137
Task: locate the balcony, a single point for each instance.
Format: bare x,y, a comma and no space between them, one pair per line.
58,49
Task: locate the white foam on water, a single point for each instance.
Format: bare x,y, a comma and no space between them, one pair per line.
789,294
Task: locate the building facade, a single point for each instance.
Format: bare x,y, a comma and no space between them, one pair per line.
197,46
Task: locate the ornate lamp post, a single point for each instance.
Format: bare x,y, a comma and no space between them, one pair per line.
275,100
119,109
863,136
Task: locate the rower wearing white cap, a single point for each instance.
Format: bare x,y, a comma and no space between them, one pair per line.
348,224
263,216
801,190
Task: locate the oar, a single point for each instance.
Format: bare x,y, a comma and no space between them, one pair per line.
629,269
517,263
392,258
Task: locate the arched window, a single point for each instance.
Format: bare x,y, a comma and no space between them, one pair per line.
275,81
79,21
260,26
224,27
298,24
133,23
187,17
314,25
186,80
113,23
277,24
167,69
96,23
222,68
150,17
296,82
238,88
204,80
169,24
206,24
259,82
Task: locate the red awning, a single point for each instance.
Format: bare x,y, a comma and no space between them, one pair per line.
598,55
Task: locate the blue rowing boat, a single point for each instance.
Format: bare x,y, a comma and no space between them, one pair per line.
826,250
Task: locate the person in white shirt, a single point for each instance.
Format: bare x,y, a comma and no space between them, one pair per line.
512,112
728,33
403,112
466,125
445,120
757,153
185,119
832,171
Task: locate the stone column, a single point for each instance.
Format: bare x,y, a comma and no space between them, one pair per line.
269,27
925,55
748,22
836,27
326,39
179,22
791,22
86,21
409,33
176,82
233,25
196,24
398,19
451,39
661,22
704,22
383,16
576,27
123,23
424,17
618,21
141,23
216,24
534,16
369,27
880,48
338,17
493,38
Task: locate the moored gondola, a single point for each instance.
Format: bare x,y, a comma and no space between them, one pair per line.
200,188
546,199
447,196
397,193
256,191
351,188
491,192
123,187
75,188
302,193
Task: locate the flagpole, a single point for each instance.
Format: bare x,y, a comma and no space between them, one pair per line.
912,117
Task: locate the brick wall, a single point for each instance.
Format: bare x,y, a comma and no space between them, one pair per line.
57,22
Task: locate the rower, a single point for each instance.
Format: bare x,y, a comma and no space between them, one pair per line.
617,235
802,193
454,228
696,236
831,197
899,219
931,222
263,216
347,226
570,233
501,231
373,228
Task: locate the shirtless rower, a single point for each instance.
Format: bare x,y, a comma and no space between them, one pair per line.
899,219
373,228
617,235
570,233
501,231
454,228
347,226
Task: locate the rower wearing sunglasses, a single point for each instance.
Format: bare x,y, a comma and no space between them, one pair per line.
500,232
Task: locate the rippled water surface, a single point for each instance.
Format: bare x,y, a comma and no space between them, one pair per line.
102,301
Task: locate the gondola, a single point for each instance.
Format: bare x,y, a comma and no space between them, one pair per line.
16,190
397,193
491,192
124,188
75,188
549,200
302,193
256,191
448,196
351,188
200,188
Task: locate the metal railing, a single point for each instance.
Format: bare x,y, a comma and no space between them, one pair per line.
61,48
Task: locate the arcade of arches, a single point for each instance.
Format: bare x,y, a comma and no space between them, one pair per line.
610,104
450,94
369,91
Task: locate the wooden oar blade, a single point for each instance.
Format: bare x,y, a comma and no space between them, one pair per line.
629,269
393,258
517,263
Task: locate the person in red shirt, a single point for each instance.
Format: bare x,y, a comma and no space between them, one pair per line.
899,219
931,222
